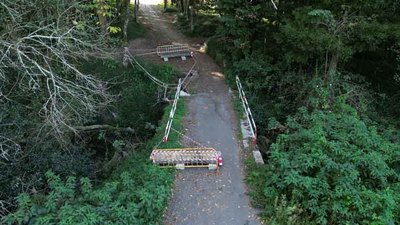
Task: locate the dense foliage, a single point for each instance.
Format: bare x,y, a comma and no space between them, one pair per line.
322,81
128,200
70,108
136,193
336,166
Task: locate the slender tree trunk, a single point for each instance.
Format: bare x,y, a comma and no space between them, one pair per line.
102,17
333,63
191,19
136,10
182,6
187,9
165,4
126,23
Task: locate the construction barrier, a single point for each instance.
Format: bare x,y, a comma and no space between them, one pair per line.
187,157
169,51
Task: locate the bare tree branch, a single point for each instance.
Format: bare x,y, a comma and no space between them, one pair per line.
103,127
44,53
8,148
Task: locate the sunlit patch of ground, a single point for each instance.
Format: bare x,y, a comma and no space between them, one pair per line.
217,74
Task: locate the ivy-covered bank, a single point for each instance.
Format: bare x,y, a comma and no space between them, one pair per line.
136,193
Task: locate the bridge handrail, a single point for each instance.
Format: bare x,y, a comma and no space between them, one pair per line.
172,112
247,110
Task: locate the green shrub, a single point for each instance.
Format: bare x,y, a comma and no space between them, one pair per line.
286,213
135,198
135,30
338,169
171,9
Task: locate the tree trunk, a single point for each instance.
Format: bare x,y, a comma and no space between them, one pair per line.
126,59
136,10
331,75
165,4
191,19
126,23
118,156
182,6
102,17
186,10
333,63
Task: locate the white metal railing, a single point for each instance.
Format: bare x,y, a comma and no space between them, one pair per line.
172,112
247,109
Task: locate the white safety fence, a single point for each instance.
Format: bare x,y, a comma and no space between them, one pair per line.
172,112
247,110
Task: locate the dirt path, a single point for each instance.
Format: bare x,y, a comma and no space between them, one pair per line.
202,197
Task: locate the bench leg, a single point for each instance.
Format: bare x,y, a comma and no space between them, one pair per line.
183,58
165,59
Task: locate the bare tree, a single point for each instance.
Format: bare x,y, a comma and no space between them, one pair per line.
39,50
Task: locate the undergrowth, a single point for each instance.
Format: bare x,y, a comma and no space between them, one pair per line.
169,9
205,24
137,192
135,30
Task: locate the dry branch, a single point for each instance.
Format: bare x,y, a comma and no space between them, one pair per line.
103,127
44,54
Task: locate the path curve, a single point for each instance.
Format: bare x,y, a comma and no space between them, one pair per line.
200,196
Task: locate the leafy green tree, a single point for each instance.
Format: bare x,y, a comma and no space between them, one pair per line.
336,167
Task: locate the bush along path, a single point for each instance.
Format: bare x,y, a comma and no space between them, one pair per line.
201,196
